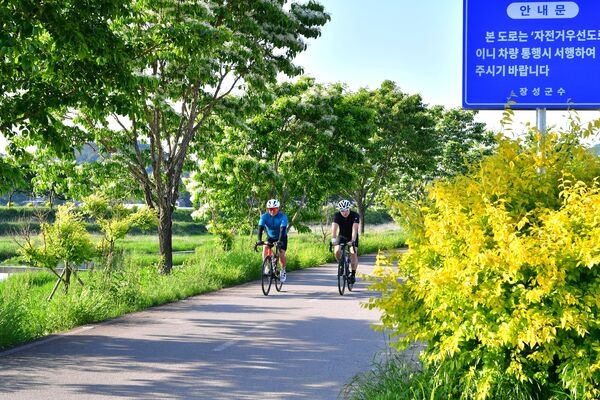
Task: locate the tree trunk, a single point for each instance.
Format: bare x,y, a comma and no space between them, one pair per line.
360,206
165,237
361,213
67,278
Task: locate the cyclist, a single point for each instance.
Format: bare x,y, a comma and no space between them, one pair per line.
345,223
275,223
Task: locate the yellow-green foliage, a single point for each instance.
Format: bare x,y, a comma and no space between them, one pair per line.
65,240
502,276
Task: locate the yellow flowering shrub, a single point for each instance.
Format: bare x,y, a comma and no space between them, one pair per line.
502,276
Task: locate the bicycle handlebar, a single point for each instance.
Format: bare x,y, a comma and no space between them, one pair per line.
342,245
263,243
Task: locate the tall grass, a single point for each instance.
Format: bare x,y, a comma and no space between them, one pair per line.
393,378
8,247
25,313
398,377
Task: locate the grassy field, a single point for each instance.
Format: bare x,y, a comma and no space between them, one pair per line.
200,266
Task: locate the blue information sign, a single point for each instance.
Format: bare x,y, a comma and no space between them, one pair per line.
531,54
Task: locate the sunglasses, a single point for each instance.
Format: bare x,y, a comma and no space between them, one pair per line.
273,209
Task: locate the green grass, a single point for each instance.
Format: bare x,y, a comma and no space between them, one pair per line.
393,378
145,247
25,313
8,248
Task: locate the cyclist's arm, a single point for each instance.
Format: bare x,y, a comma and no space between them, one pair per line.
334,230
354,231
281,232
283,223
261,228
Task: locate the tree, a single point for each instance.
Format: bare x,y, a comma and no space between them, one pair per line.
15,176
401,142
459,142
115,221
292,150
462,141
64,241
187,57
56,55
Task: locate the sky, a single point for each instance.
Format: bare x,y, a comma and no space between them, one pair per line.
417,44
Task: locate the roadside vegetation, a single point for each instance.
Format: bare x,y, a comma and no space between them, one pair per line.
501,281
26,314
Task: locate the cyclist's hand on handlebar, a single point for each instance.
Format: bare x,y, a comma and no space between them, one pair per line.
334,241
353,243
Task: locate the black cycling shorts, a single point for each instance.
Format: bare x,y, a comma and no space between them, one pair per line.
283,241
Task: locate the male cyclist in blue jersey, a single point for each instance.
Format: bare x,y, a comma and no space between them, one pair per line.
275,223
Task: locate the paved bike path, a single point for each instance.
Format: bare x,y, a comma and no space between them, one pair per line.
305,342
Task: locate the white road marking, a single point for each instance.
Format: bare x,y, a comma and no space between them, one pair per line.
233,342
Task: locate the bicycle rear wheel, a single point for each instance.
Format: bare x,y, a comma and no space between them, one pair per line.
341,277
267,278
277,270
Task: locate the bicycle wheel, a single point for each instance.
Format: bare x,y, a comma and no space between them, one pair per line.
277,269
341,277
267,279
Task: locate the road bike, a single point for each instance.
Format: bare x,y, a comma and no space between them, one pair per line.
270,268
344,274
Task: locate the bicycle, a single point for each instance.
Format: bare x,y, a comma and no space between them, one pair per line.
344,272
270,268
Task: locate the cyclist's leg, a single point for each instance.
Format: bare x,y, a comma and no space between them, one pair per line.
266,249
282,251
338,249
354,260
354,256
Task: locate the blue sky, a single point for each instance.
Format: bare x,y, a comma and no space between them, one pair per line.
417,44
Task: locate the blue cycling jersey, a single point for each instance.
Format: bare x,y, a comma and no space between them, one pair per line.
273,224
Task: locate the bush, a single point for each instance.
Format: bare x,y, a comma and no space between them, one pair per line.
376,216
502,276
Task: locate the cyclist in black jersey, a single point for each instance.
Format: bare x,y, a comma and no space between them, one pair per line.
344,228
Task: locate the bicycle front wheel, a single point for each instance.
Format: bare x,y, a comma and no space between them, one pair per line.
341,277
267,278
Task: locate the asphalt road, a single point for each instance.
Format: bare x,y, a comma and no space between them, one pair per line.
305,342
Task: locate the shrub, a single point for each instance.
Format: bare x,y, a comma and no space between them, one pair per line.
502,276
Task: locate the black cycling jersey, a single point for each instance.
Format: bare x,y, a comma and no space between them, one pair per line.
345,224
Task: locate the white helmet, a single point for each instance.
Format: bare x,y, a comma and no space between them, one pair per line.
344,205
273,203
